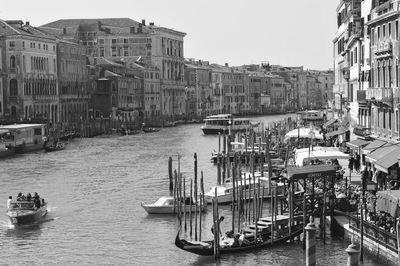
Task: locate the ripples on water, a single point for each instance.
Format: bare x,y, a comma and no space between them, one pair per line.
94,189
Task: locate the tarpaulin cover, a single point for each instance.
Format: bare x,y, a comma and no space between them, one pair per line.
388,201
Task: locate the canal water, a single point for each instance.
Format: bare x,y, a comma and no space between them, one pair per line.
94,189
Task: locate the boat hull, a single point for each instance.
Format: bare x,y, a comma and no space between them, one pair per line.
25,217
206,248
167,209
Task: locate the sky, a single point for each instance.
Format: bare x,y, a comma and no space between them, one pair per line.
281,32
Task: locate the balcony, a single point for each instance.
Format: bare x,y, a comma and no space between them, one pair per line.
384,11
378,94
383,49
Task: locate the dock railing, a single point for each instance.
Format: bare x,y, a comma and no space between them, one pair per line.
375,233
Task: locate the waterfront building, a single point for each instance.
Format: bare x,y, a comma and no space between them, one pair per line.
72,83
198,88
118,38
152,95
345,46
217,99
29,72
383,94
257,84
326,79
119,91
3,75
279,90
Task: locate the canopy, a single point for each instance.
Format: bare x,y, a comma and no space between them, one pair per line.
330,122
376,144
384,157
322,153
340,131
357,143
303,132
388,201
311,171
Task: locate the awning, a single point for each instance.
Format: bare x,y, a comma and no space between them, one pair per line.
356,144
303,132
320,153
311,171
388,201
330,122
337,132
376,144
384,158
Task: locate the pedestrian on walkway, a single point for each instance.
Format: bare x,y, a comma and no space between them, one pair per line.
351,163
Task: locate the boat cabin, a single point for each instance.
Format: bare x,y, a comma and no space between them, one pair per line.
23,135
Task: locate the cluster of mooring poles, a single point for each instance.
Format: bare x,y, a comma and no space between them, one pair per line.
188,208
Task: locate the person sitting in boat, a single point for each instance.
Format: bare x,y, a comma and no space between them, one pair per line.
36,200
21,197
9,202
242,239
29,197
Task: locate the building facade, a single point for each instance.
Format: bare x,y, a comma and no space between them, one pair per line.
30,79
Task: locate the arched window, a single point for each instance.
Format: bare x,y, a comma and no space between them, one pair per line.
13,87
12,61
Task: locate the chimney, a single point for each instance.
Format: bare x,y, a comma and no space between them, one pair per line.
143,22
226,64
151,23
27,23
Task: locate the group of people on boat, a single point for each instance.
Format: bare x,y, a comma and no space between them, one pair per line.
38,202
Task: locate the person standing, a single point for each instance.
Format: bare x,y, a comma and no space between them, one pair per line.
219,227
9,202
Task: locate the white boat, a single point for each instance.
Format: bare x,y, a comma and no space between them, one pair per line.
318,155
225,192
165,205
26,212
225,123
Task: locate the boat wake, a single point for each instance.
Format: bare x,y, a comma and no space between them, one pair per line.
6,224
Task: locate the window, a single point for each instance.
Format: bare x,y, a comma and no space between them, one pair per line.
11,44
23,44
101,51
397,29
13,87
125,40
38,45
126,51
12,61
390,29
383,31
101,41
113,51
379,33
355,55
113,41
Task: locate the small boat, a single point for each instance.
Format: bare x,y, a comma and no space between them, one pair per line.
125,132
165,205
54,147
25,212
227,244
150,129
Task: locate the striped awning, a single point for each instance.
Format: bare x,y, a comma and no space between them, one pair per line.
385,157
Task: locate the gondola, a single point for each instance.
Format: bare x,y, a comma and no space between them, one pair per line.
206,248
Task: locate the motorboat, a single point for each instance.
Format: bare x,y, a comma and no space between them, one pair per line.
26,212
225,123
259,184
165,205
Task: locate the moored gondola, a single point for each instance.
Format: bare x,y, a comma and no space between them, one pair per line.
206,248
